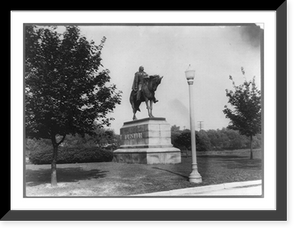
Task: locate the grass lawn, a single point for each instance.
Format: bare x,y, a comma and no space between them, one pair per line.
119,179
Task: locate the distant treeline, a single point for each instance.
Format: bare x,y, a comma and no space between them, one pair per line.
106,139
224,139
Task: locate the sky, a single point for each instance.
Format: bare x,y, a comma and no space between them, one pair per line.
214,52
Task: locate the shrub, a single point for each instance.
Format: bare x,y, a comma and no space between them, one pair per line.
72,155
203,144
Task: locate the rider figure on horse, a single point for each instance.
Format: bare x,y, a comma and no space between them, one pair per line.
138,82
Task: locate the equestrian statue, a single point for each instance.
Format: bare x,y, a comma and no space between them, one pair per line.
143,90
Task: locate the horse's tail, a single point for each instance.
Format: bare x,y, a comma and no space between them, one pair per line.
137,104
134,101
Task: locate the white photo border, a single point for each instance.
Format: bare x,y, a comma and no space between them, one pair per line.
267,202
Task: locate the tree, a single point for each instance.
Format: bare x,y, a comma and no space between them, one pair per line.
105,137
184,140
203,141
66,90
236,140
175,128
175,132
213,138
246,113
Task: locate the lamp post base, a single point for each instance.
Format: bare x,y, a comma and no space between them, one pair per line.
195,177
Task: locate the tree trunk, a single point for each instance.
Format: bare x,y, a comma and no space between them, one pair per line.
54,158
251,153
53,166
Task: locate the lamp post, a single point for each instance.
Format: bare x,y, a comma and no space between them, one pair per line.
194,177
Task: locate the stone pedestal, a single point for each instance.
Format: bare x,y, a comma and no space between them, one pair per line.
147,141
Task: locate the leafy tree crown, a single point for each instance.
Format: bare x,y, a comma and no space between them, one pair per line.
245,110
66,87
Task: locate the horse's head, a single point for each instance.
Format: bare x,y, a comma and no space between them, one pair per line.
156,79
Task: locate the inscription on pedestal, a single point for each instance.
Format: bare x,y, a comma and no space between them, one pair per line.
147,141
133,136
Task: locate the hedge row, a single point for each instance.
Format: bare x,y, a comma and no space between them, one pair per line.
72,155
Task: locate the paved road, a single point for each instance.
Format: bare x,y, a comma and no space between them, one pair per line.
246,188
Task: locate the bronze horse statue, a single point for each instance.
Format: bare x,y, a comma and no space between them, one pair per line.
149,87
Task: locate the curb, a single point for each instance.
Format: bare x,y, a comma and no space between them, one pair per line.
204,189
